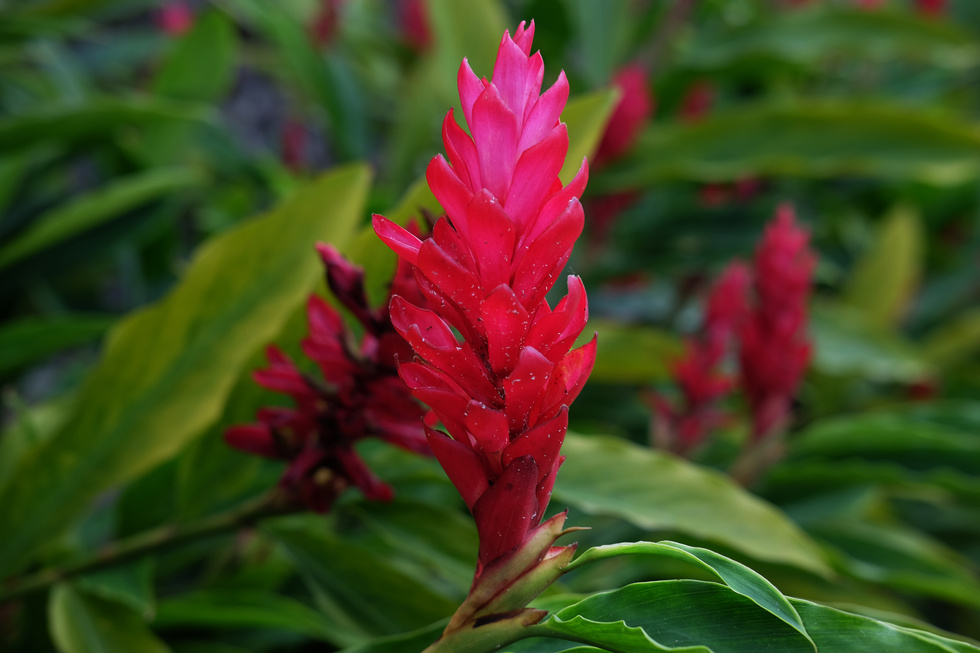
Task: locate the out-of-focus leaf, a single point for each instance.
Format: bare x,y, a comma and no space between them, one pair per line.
889,437
32,339
737,576
94,121
98,207
845,344
813,139
884,279
168,369
30,427
601,30
363,594
808,37
414,641
631,354
900,557
241,609
82,623
202,65
955,341
130,584
656,491
586,117
471,30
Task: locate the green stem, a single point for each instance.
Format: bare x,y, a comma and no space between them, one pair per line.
151,541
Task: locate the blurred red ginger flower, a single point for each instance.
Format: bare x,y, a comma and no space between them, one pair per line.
326,22
503,392
931,8
414,19
634,108
175,18
698,373
775,349
361,396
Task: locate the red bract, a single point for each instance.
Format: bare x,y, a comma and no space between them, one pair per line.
361,396
503,391
698,373
415,24
931,8
632,111
325,23
775,349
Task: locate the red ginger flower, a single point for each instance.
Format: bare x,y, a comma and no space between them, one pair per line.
175,18
931,8
698,373
775,350
362,396
503,392
633,110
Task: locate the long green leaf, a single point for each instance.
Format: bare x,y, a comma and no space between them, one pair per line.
737,576
94,120
631,353
809,37
82,623
168,369
201,67
813,139
656,491
96,208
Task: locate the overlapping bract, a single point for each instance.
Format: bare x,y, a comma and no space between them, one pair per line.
503,391
361,395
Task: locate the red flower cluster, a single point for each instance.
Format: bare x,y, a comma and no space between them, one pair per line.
361,395
698,374
175,18
775,350
503,392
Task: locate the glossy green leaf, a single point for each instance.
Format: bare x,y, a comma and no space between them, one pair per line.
737,576
884,278
94,121
808,37
130,584
813,139
845,343
362,593
82,623
686,615
631,354
242,609
835,631
30,340
97,207
168,369
657,491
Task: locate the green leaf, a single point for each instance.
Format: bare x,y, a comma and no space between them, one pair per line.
168,369
737,576
363,593
883,280
815,138
130,584
32,339
835,631
847,344
586,117
601,31
82,623
810,37
956,341
657,491
685,615
629,353
94,121
242,609
97,207
202,66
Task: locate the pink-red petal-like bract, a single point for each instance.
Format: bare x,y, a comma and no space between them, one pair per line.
503,391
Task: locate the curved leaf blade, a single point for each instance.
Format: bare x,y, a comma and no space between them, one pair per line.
653,490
